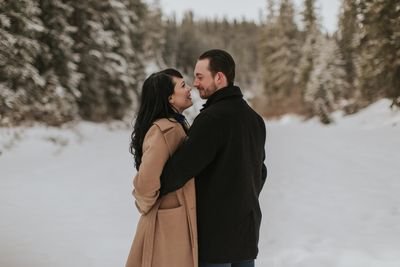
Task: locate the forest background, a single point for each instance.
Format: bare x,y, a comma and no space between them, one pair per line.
64,60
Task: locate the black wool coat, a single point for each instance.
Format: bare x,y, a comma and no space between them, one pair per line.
225,152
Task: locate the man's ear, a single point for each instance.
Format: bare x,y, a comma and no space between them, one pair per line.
220,77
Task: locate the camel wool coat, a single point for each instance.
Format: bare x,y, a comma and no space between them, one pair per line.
166,234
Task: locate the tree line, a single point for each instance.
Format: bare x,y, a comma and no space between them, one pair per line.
62,60
308,71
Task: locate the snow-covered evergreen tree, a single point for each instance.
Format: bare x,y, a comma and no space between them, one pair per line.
56,61
109,44
20,82
91,42
347,35
155,34
280,49
249,63
394,65
310,15
189,44
126,67
58,57
268,45
170,49
271,12
311,36
378,62
327,85
138,14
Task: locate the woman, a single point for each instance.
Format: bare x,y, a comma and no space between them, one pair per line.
166,234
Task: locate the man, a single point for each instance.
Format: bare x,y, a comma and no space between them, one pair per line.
225,153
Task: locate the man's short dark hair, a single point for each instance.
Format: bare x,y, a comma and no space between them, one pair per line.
220,61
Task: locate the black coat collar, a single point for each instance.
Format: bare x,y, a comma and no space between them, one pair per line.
223,93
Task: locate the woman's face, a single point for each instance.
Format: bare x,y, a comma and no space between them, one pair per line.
181,98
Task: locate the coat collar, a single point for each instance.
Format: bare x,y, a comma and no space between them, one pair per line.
223,93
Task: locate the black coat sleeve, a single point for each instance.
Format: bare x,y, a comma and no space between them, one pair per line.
194,155
264,171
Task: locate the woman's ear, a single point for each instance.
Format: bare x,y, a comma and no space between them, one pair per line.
171,99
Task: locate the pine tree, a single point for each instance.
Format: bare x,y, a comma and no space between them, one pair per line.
327,86
138,13
57,38
155,37
20,82
170,49
310,18
394,65
115,77
189,44
90,41
347,34
56,63
312,36
271,15
280,49
268,46
126,67
109,43
248,62
378,62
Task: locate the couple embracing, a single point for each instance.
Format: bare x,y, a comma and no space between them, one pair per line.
197,187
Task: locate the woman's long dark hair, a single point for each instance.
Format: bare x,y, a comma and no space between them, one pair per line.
154,105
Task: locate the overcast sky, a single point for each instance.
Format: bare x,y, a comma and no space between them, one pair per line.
249,9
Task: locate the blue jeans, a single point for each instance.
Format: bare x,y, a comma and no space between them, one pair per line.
249,263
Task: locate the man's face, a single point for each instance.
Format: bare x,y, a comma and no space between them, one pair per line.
203,79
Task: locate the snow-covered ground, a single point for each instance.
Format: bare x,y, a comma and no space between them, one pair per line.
331,199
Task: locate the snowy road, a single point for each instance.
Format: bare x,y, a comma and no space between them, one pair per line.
331,199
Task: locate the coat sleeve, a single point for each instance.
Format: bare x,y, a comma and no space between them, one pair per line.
264,170
147,180
194,155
